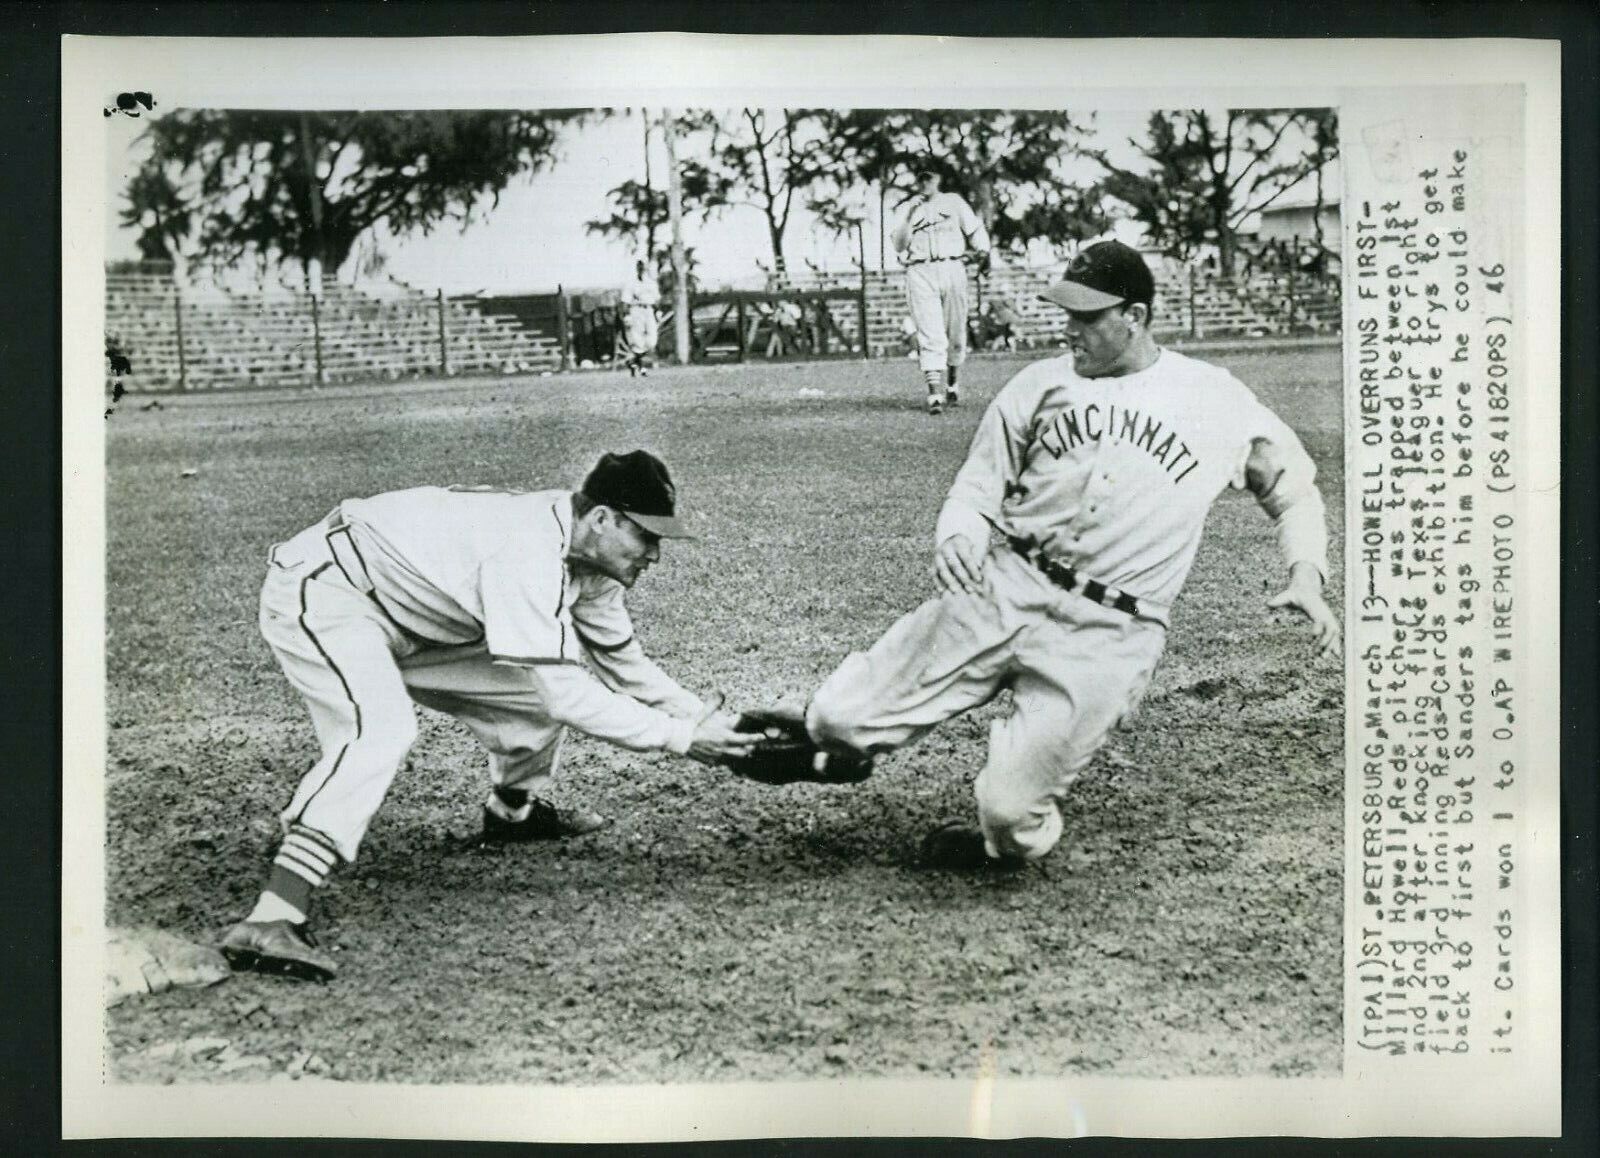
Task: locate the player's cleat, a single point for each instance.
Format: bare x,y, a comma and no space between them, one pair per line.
282,948
935,404
960,848
544,822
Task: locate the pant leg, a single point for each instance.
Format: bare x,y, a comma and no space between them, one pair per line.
500,704
954,302
946,657
927,313
340,654
1075,681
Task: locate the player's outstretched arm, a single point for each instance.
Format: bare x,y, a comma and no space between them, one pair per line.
717,740
1282,477
1304,594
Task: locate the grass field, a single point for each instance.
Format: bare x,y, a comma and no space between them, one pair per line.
1189,924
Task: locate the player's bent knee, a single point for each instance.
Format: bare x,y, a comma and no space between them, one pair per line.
388,739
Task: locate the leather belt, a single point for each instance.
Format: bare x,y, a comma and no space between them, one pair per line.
1068,578
932,260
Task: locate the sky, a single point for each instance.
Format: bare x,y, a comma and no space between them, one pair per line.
535,240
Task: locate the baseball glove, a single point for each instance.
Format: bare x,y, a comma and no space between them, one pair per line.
786,754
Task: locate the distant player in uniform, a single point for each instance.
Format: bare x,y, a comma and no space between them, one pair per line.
641,327
940,229
1061,547
499,607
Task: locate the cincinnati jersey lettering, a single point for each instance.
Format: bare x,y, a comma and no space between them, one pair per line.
1069,429
1116,476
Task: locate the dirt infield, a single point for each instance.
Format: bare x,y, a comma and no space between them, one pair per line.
1188,925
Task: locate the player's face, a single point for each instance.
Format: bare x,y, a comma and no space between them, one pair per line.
1100,341
624,550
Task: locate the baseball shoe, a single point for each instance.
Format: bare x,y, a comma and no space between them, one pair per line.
277,947
935,404
544,822
960,848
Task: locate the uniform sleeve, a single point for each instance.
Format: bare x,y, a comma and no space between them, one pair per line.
1279,472
972,229
522,593
605,629
900,238
994,462
572,696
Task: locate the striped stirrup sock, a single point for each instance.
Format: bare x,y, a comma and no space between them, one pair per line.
304,860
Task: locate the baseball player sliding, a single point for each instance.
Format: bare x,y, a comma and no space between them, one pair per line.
1061,547
485,604
938,232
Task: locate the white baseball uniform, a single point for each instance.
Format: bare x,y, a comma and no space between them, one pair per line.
641,327
1100,488
459,599
936,234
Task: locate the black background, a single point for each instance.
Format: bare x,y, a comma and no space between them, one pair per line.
30,470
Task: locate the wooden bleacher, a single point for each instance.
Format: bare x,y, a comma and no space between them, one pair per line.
270,336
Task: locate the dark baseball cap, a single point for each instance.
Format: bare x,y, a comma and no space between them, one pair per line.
637,484
1102,275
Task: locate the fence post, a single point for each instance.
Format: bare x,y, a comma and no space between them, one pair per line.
444,337
1194,319
564,327
1294,262
177,312
861,314
316,341
738,321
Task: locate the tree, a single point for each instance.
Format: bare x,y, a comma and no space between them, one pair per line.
1010,165
1207,171
761,159
157,208
304,186
639,208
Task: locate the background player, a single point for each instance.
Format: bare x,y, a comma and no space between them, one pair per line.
484,604
938,232
641,327
1097,470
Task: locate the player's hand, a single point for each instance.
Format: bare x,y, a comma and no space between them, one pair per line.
958,565
1304,594
715,739
985,262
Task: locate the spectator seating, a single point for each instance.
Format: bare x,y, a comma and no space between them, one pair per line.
269,336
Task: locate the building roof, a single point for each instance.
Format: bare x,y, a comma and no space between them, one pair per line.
1329,201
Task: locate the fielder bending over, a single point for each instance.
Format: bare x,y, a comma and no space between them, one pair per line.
1095,472
482,603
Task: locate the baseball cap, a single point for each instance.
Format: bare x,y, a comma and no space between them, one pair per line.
637,484
1105,274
